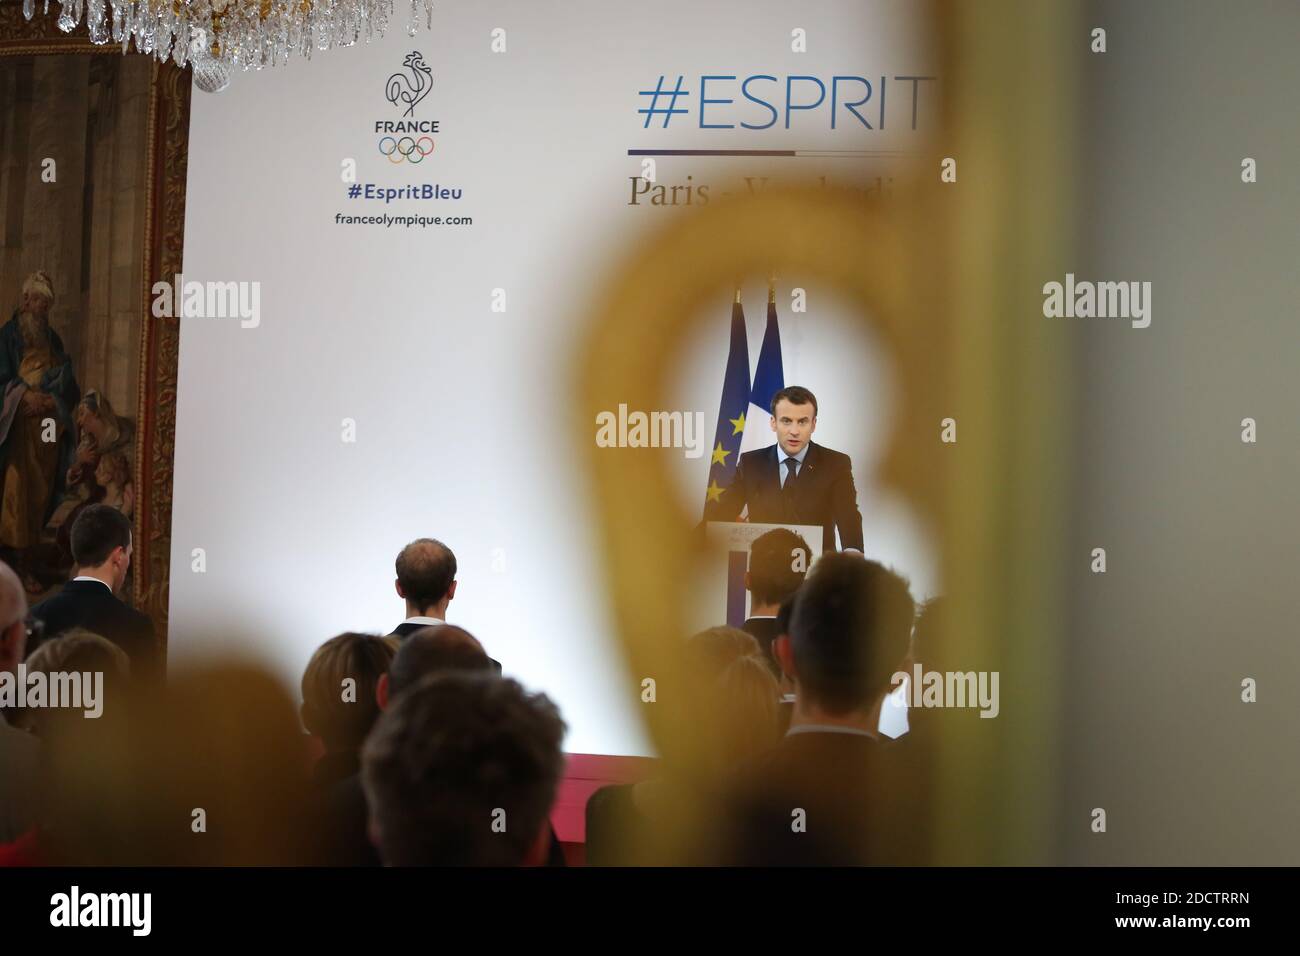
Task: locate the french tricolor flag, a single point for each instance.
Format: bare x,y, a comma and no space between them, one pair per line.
769,378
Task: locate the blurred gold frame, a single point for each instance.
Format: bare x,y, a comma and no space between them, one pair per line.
948,275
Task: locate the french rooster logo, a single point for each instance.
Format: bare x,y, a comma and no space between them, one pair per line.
410,89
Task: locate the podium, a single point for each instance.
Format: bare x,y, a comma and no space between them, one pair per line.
727,598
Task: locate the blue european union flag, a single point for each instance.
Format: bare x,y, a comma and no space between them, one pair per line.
731,410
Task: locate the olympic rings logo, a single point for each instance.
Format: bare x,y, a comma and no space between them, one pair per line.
406,149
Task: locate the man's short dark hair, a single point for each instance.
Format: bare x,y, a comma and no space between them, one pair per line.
425,570
436,649
849,632
462,770
795,395
98,530
778,562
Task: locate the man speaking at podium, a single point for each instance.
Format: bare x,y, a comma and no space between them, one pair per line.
795,481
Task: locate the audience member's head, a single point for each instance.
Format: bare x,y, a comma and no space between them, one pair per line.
778,562
338,712
212,770
746,708
426,577
77,652
462,771
13,620
934,648
101,544
711,650
428,651
740,695
849,630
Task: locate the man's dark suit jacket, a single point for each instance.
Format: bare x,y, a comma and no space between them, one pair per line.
823,494
857,795
90,604
407,628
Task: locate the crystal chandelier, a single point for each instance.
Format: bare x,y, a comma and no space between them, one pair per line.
218,35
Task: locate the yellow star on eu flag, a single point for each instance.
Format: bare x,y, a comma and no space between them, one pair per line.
738,423
719,455
714,492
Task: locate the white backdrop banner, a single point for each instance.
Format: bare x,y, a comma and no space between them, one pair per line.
387,252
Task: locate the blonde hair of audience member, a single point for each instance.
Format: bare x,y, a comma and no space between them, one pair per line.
714,648
342,721
747,708
739,698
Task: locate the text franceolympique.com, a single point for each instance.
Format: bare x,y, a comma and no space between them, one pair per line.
388,221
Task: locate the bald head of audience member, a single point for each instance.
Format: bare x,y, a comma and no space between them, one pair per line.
426,578
13,620
431,650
